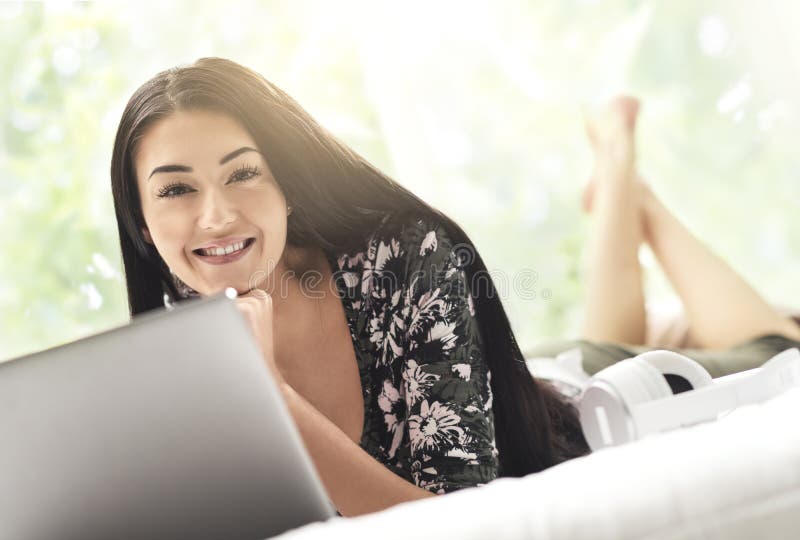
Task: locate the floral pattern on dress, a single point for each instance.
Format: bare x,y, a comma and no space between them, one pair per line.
426,387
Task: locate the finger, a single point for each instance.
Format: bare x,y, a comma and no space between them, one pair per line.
253,298
248,312
261,299
251,306
256,293
255,306
247,302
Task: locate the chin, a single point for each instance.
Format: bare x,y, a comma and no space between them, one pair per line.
241,288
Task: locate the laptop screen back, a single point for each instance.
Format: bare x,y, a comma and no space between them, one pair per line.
167,428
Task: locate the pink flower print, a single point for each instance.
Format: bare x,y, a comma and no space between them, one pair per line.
436,426
417,382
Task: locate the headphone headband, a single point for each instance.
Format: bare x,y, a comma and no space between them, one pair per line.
628,399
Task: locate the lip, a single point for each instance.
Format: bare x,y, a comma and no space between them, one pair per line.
228,258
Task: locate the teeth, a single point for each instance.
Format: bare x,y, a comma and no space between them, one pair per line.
218,251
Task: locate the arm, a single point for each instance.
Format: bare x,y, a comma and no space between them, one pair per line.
445,384
356,483
450,422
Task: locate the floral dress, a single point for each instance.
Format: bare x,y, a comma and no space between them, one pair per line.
427,399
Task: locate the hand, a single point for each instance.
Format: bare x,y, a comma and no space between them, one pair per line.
256,306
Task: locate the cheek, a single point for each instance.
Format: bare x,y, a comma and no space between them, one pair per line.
265,209
170,231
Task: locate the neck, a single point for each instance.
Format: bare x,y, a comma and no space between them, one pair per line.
301,303
301,280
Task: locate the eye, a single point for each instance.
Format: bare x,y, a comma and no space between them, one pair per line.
244,172
173,190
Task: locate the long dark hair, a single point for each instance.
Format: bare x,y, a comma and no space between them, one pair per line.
337,196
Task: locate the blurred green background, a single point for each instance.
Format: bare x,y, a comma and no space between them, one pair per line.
474,106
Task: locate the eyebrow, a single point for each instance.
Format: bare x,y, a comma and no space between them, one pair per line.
184,168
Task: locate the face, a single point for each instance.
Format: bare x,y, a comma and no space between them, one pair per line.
206,188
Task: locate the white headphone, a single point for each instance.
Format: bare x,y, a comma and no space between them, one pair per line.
632,398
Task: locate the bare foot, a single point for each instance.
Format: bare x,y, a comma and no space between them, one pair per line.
611,132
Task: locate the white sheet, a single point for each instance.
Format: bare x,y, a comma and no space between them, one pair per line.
737,478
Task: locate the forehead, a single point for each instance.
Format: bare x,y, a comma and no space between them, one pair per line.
193,138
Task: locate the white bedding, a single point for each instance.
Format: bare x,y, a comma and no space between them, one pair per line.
737,478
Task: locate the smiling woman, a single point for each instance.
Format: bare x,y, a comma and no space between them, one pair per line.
405,381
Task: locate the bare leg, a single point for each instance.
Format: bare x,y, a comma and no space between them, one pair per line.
723,310
615,301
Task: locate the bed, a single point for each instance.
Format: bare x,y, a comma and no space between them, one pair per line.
736,478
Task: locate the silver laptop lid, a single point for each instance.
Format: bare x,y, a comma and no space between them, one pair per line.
166,428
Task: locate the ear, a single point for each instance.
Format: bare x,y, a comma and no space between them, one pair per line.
147,237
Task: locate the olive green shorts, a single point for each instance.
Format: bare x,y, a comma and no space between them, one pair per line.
598,355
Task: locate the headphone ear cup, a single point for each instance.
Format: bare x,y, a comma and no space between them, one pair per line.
606,403
657,385
627,381
672,363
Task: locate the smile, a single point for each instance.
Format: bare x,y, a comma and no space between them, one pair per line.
229,254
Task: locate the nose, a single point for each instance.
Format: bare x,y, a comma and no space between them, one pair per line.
216,211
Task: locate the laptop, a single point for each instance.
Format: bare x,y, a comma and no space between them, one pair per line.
167,428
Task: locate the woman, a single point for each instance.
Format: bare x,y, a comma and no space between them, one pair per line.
732,328
374,312
403,380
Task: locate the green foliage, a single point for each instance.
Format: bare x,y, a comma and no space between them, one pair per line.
476,107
